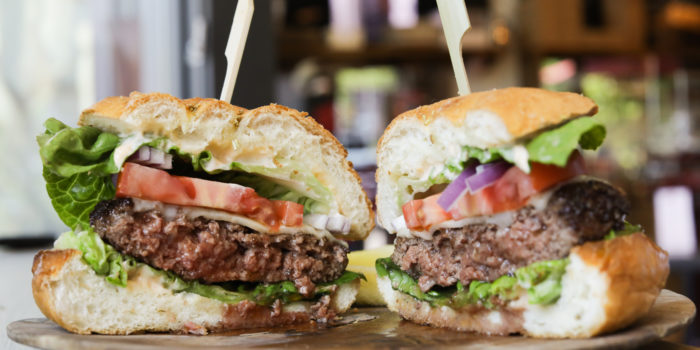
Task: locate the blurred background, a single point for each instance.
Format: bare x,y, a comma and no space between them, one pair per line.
354,65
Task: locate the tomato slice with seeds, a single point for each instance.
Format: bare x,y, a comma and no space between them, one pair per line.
138,181
510,192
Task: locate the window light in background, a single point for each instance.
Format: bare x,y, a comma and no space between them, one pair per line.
403,13
674,220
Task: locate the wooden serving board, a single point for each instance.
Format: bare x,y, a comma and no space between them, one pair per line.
362,328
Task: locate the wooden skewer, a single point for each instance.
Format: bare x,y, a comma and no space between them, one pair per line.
455,23
236,45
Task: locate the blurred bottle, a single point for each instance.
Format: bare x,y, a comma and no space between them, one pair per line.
403,14
362,104
320,100
346,31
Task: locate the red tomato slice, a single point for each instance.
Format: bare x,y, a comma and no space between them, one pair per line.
515,187
432,212
148,183
423,213
544,176
510,192
290,214
471,205
412,213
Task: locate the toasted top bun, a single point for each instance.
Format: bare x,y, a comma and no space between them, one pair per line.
270,136
429,136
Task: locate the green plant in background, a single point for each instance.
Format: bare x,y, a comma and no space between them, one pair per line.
621,110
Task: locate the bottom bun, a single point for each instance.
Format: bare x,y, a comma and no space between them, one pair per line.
608,285
71,294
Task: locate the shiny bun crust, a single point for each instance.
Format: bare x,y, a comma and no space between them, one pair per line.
269,135
607,285
522,110
68,292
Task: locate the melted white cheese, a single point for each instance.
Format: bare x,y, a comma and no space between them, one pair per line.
504,219
170,211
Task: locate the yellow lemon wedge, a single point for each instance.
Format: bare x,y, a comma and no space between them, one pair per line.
363,261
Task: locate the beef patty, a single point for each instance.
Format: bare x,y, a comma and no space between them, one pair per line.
217,251
576,212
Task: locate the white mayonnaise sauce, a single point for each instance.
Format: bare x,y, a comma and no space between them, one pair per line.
127,148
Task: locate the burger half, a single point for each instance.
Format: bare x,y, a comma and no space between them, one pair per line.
499,230
194,216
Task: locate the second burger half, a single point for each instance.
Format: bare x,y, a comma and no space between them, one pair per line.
498,228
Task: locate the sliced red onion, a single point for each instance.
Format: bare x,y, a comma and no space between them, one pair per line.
481,167
152,157
317,221
457,188
487,174
157,157
167,161
143,154
472,179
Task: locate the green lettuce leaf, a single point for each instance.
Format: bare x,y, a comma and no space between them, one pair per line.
69,151
74,197
627,230
291,182
210,291
107,262
260,293
197,160
299,182
489,155
77,168
550,147
270,189
104,259
288,183
541,280
555,146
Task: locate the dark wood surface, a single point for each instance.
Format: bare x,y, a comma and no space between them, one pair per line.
363,328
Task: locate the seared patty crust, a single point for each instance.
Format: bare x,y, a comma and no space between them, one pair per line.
217,251
576,212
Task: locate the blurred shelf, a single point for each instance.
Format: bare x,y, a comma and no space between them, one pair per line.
681,16
580,27
294,46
